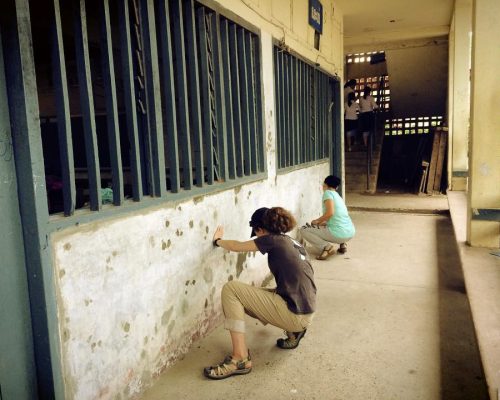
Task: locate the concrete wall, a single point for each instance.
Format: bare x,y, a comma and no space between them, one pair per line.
459,92
418,78
418,74
135,291
484,143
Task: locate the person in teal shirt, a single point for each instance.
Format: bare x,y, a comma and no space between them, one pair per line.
334,226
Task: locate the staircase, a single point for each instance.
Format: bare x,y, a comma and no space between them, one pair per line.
355,166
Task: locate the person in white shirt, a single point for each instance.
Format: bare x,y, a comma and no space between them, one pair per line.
349,88
351,110
367,118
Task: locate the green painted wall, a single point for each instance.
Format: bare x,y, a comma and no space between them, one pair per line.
17,369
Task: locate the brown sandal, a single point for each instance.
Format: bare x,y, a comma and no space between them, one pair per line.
327,252
228,367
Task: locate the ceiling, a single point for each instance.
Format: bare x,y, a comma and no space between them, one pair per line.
369,22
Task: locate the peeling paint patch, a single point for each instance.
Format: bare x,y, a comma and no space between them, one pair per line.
207,229
191,223
237,190
193,282
208,275
179,208
171,327
187,283
167,223
249,194
178,232
114,253
165,317
87,302
206,303
163,245
230,278
67,246
184,307
215,215
66,335
198,199
62,272
239,263
126,327
235,200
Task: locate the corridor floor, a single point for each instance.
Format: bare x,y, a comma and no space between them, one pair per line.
393,322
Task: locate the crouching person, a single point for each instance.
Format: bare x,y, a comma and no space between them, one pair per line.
290,306
334,226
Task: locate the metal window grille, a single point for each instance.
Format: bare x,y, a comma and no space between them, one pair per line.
143,98
304,118
411,125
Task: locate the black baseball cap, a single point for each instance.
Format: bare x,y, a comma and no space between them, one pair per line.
256,220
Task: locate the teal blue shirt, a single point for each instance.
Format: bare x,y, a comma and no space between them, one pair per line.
339,224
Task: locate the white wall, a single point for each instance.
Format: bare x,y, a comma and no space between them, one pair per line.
135,291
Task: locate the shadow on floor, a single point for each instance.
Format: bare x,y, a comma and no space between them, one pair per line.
462,375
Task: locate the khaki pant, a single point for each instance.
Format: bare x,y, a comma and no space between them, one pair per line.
239,299
320,237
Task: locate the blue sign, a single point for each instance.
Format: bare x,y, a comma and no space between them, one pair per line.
316,15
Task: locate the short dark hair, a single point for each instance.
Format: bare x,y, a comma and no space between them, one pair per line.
332,181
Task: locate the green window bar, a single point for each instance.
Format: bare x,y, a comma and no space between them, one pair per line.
63,114
145,99
303,98
237,120
194,91
228,96
87,104
129,98
111,104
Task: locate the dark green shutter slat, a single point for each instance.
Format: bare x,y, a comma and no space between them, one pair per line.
182,93
108,72
63,114
87,104
129,98
194,90
170,121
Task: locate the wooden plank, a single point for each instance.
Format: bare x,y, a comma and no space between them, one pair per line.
433,163
87,104
228,97
63,114
129,98
182,92
236,94
108,74
170,122
194,89
440,160
206,111
153,95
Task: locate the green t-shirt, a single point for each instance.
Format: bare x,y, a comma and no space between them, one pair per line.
339,224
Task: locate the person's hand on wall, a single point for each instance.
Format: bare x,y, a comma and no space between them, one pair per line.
219,232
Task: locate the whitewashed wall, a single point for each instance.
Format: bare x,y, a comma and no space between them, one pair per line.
135,291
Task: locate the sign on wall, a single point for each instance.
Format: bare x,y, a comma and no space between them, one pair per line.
316,15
